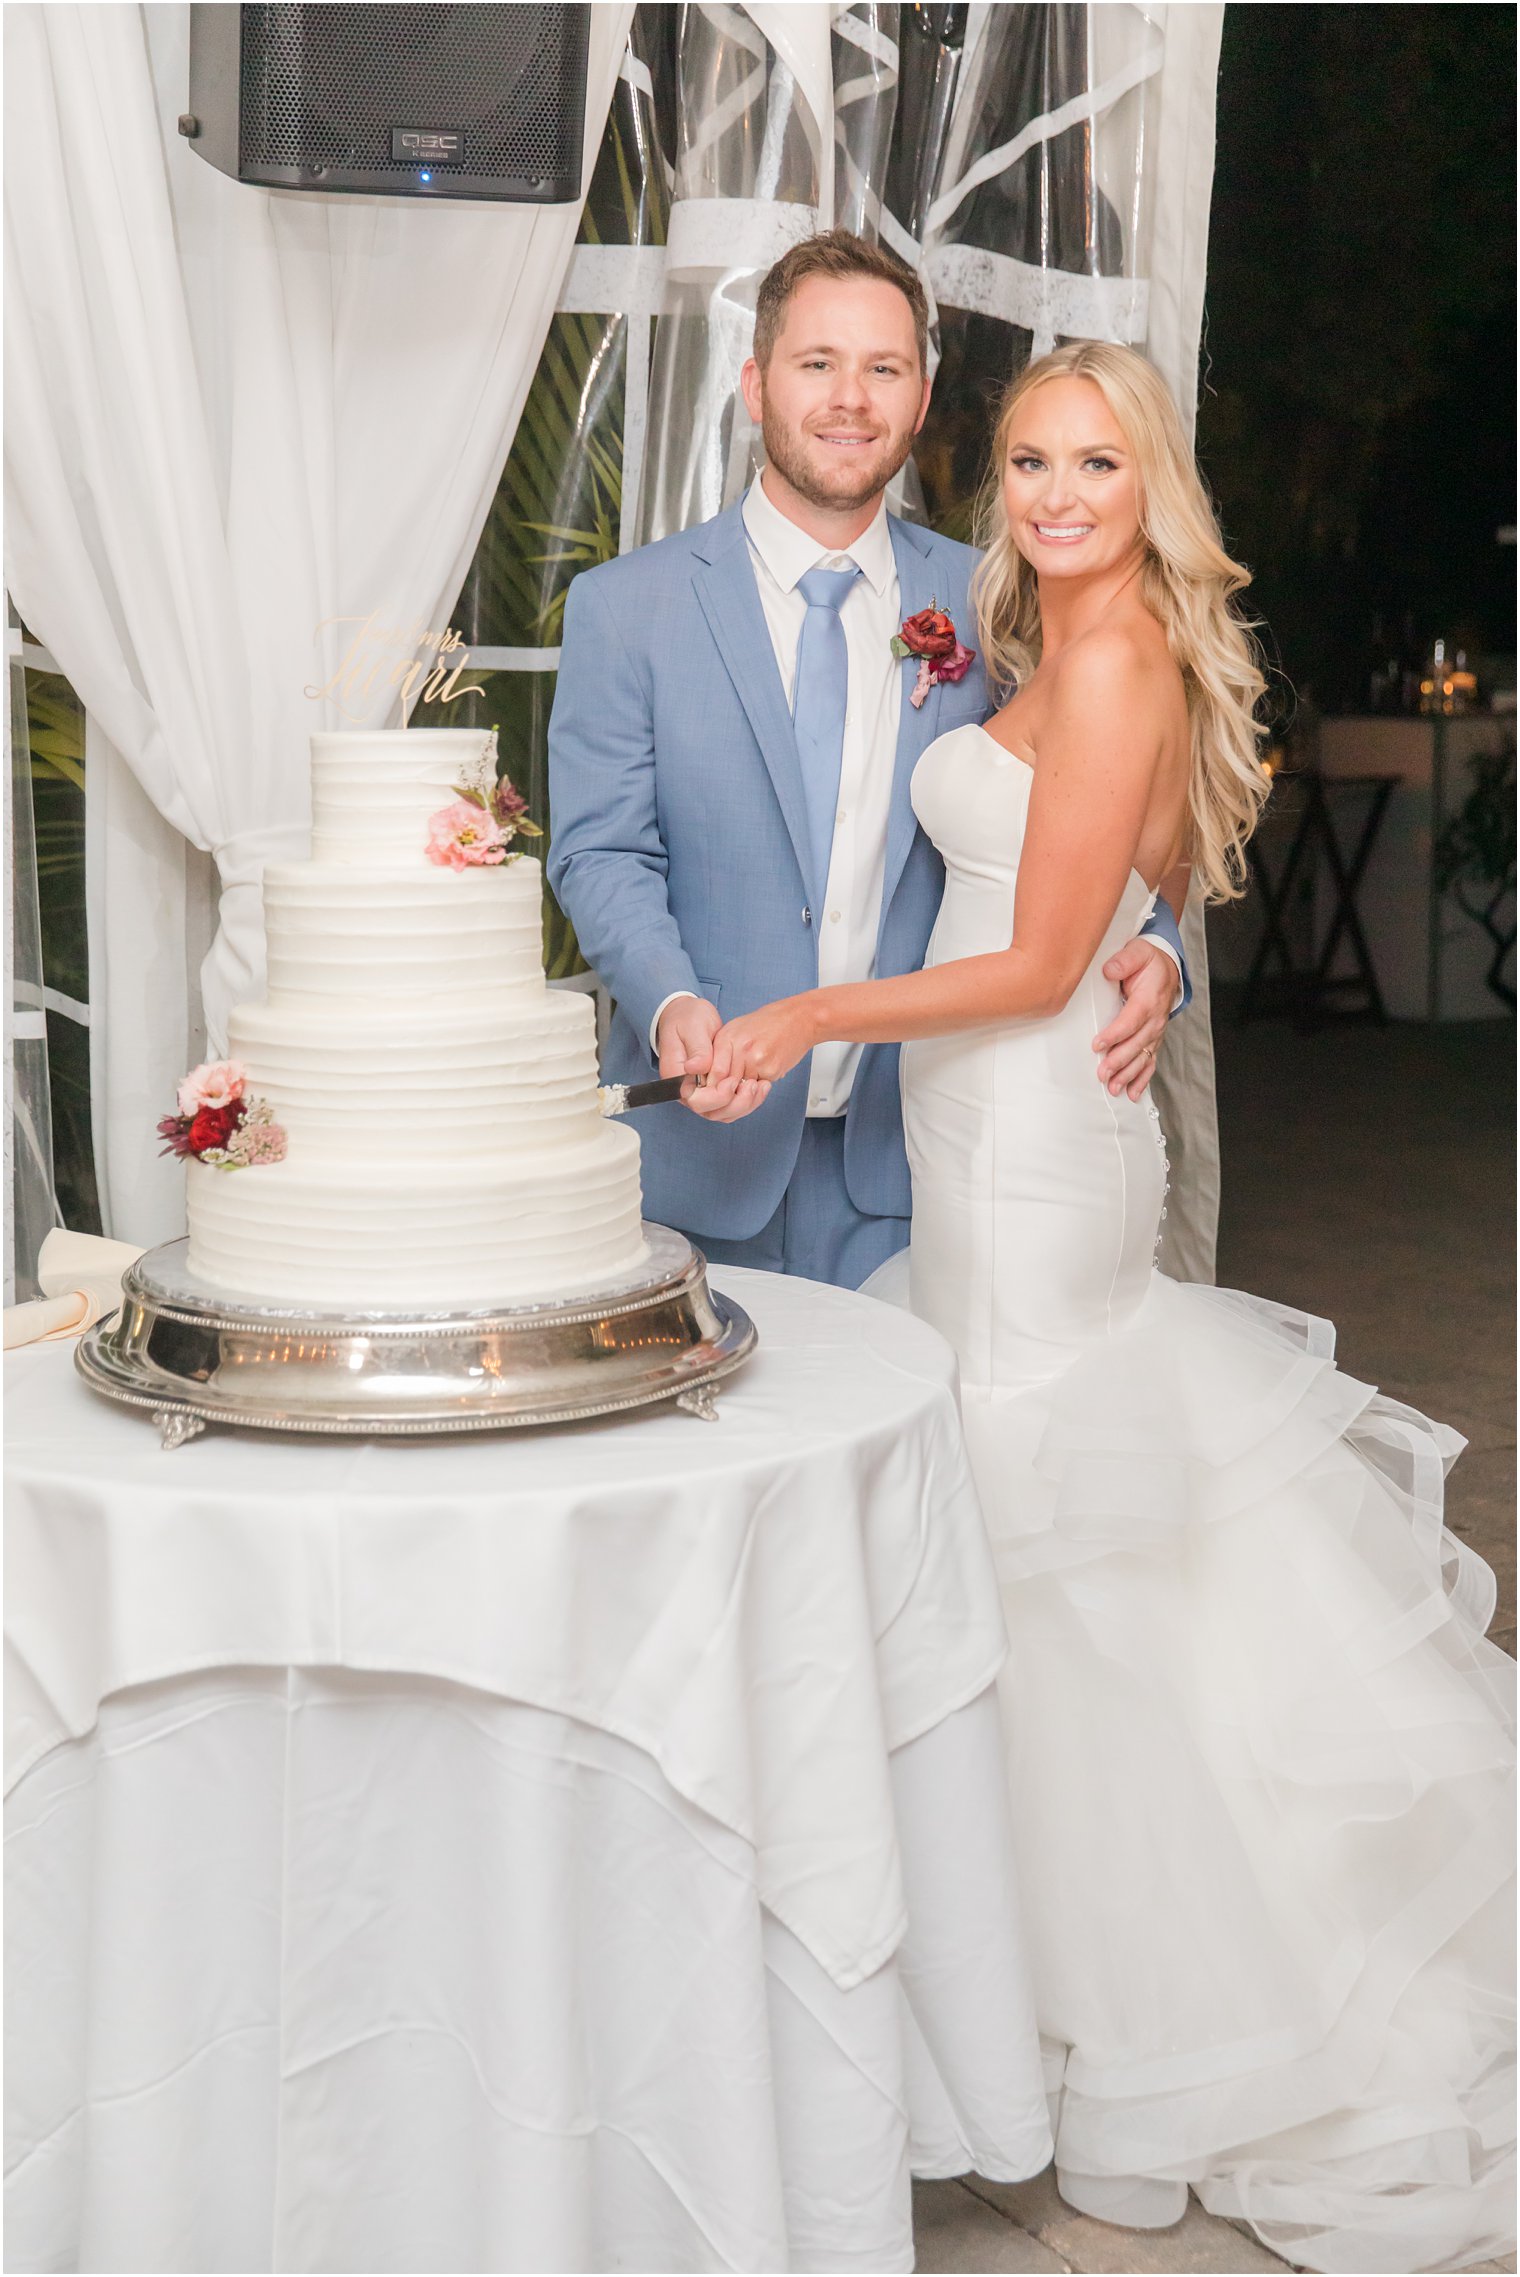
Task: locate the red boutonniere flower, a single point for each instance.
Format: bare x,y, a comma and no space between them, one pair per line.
931,637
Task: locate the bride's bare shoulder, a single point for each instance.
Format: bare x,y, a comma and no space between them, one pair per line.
1120,656
1120,669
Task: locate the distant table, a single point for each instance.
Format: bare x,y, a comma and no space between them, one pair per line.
560,1851
1431,957
1316,858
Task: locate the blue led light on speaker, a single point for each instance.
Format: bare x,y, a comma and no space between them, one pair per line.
424,176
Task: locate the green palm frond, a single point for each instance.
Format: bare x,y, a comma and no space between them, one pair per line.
55,729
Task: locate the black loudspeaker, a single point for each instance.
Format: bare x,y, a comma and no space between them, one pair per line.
410,102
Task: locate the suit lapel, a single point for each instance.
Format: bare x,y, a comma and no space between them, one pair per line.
730,601
917,728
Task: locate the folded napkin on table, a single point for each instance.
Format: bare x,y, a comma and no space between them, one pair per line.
80,1278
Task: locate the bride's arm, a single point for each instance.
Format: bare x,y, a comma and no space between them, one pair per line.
1099,747
1174,888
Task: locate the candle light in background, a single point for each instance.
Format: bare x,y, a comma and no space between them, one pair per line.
1447,686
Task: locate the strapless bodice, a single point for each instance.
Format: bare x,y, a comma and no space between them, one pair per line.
972,798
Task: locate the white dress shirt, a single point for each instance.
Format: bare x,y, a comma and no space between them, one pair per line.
846,925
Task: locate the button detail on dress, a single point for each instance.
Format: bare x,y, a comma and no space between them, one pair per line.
834,916
807,917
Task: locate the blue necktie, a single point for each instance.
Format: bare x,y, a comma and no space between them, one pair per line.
819,693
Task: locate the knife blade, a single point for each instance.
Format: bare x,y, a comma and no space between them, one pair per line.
622,1098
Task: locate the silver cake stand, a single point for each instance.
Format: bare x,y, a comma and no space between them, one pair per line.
191,1356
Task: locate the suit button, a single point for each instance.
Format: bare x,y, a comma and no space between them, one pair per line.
807,917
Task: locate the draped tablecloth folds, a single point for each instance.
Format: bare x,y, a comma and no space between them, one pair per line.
555,1850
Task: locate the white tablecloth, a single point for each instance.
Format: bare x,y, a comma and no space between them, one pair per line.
565,1851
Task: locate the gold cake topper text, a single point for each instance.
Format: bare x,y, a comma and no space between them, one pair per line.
424,666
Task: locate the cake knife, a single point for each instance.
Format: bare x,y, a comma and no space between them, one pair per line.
622,1098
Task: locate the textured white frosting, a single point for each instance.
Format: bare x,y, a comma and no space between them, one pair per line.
378,934
479,1232
426,1079
374,791
444,1143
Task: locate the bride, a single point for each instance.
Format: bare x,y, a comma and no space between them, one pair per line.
1258,1744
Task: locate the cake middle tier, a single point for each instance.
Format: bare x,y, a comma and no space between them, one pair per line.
484,1072
388,933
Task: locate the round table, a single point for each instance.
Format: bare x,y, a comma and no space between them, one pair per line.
559,1850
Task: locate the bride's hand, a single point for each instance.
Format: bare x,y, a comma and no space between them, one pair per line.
767,1044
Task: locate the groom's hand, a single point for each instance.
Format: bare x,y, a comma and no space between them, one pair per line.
686,1036
1130,1042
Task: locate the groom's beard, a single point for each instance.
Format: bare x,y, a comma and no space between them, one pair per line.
845,485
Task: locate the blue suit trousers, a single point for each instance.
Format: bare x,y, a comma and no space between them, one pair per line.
816,1231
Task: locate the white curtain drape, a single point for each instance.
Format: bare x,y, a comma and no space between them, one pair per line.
1184,179
234,417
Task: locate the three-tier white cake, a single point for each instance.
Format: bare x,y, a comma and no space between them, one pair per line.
445,1148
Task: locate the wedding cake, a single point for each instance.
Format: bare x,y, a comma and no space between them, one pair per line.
425,1128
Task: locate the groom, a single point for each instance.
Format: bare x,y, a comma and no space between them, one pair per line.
730,753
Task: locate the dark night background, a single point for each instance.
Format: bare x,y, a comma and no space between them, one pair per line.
1356,415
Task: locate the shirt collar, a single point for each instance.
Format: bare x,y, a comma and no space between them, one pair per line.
789,553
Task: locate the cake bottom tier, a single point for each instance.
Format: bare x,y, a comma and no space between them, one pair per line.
382,1239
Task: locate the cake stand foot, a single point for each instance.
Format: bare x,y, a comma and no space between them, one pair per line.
175,1428
701,1401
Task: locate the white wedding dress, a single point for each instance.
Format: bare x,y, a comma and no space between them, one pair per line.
1260,1751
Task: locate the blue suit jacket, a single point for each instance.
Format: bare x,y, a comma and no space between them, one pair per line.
680,847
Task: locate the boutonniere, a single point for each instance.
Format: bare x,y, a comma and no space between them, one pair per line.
931,637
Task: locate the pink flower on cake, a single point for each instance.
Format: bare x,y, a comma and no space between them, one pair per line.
253,1143
465,837
487,815
217,1083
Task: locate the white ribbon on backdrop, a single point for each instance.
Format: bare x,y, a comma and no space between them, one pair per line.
233,416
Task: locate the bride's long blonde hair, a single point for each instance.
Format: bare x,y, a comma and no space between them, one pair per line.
1187,583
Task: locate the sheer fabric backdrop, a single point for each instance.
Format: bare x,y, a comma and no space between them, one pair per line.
234,415
1047,171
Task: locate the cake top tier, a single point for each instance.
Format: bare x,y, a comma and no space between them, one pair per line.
374,790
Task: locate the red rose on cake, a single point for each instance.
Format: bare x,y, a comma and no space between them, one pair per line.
213,1126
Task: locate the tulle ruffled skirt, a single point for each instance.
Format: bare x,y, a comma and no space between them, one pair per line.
1262,1767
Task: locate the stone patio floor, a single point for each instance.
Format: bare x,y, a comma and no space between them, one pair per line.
1368,1176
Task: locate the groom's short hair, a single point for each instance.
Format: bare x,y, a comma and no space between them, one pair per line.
834,253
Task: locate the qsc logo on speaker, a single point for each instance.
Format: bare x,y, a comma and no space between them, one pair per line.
427,146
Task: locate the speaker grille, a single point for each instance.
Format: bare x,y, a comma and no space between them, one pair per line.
324,86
